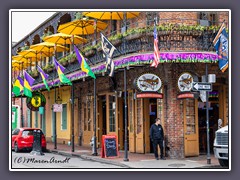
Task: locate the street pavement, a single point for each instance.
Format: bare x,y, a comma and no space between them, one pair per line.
54,161
138,160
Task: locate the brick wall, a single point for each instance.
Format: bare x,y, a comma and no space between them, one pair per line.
188,18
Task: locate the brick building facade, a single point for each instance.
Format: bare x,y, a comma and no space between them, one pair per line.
182,117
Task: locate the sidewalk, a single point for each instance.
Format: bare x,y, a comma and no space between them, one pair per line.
136,160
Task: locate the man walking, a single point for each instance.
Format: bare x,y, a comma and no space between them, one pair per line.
157,136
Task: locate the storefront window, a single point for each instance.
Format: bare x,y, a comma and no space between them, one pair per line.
112,117
89,115
131,111
190,116
85,118
139,116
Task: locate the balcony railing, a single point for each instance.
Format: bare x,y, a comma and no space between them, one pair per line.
175,40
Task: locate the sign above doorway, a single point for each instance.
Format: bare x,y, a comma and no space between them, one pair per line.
148,82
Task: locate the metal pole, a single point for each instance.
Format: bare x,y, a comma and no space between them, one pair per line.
94,103
125,117
94,120
125,100
22,124
207,115
72,115
55,122
41,118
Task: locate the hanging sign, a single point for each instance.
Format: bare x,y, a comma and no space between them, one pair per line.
188,95
41,110
148,82
185,82
57,107
150,95
201,86
37,100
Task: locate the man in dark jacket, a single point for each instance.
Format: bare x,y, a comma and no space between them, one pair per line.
157,137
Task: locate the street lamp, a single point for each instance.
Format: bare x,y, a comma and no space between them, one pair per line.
58,100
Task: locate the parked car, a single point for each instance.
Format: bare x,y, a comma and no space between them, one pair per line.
22,139
221,146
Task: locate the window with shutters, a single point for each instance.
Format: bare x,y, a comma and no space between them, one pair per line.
64,117
112,116
190,116
131,111
87,115
211,17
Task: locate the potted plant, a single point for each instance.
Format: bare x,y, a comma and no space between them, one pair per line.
34,73
116,39
48,68
26,47
71,58
89,51
98,46
134,33
48,33
63,61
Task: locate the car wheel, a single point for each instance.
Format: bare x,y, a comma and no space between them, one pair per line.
223,162
16,149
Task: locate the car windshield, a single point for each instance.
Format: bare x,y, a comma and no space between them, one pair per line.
15,131
28,132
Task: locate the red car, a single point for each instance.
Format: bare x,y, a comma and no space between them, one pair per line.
22,138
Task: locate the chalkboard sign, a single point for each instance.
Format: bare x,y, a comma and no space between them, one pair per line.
109,146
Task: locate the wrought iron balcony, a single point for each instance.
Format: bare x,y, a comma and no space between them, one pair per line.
175,41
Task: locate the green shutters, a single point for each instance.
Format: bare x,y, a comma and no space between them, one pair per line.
29,118
64,117
15,116
36,119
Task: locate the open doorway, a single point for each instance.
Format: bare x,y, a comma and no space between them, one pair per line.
102,118
213,125
122,124
152,116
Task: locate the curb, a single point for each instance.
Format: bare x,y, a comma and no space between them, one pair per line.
89,158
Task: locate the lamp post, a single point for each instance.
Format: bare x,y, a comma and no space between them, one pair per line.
125,98
58,101
22,124
207,115
55,126
72,115
94,122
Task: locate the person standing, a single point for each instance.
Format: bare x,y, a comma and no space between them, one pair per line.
157,137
